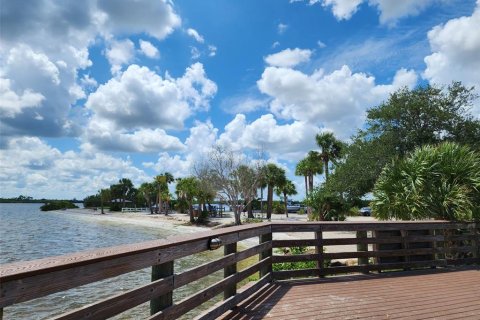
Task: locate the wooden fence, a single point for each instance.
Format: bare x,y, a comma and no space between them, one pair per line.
377,246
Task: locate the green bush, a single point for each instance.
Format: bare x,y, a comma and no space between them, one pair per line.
278,208
439,182
58,205
295,265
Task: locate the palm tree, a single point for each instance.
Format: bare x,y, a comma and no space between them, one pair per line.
126,187
104,196
188,188
331,149
148,191
162,181
286,189
309,167
273,176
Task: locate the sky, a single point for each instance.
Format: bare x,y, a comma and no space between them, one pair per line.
93,91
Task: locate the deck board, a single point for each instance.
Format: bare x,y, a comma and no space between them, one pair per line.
427,294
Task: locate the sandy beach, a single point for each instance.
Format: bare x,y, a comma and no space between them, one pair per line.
180,222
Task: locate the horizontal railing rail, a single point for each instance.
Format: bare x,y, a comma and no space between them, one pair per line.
333,247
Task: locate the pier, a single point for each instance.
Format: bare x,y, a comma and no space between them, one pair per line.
412,270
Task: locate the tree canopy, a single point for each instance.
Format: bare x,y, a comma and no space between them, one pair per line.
408,119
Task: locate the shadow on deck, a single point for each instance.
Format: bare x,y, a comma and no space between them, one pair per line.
426,294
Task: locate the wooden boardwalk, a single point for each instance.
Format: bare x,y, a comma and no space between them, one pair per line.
427,294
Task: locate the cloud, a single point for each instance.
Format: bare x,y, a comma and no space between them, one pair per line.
455,50
195,53
12,103
336,101
289,57
265,133
243,104
149,50
281,28
32,167
120,53
321,44
212,51
342,9
131,112
156,18
194,34
390,11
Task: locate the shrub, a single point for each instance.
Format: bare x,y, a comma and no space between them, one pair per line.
58,205
440,182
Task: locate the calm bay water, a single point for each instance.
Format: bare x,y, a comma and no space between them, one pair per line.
26,233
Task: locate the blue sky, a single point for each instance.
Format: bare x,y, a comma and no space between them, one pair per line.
93,91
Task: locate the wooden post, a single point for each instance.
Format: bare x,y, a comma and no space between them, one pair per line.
158,272
476,242
264,254
229,270
362,247
404,234
319,251
435,256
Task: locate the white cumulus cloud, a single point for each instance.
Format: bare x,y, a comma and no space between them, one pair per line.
148,49
337,100
120,53
289,57
455,52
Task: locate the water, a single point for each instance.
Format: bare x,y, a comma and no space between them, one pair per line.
26,233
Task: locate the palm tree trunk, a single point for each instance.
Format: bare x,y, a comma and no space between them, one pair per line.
285,200
306,186
326,169
269,201
310,182
190,208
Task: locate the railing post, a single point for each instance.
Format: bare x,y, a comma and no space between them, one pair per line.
229,270
362,247
158,272
265,254
476,242
319,251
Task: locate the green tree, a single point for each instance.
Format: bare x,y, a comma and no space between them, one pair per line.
440,182
163,194
104,195
148,191
331,150
326,204
308,167
408,119
286,189
188,189
274,176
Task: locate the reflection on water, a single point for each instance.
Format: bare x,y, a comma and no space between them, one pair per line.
26,233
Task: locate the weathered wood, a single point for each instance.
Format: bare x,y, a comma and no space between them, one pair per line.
294,243
247,253
203,270
319,250
384,253
367,226
121,302
165,300
230,270
362,247
228,304
178,309
265,254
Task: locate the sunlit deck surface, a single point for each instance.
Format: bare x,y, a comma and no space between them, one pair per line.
427,294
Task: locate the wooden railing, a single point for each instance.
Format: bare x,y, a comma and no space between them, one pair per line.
377,246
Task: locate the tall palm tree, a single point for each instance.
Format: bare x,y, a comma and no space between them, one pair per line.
331,149
274,176
308,167
104,196
286,189
126,187
148,191
162,181
188,188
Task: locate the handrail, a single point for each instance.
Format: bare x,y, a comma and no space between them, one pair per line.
380,246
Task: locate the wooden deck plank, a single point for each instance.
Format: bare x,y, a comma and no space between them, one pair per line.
425,294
